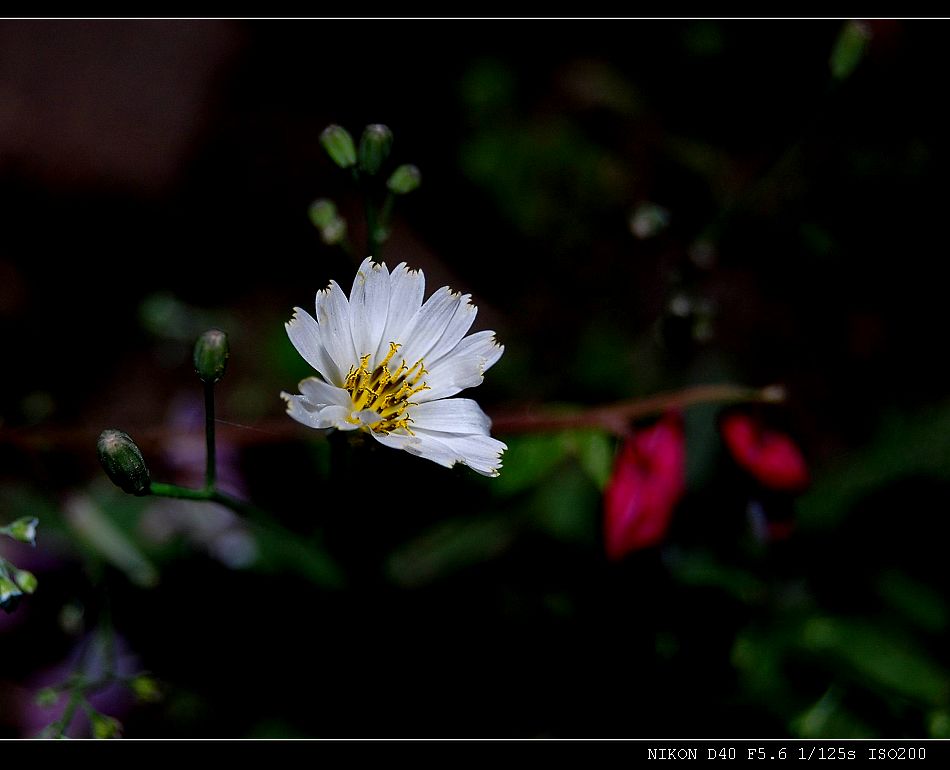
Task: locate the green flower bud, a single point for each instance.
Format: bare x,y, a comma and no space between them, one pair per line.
849,48
404,179
25,580
104,726
338,143
334,232
123,462
322,212
146,689
10,593
211,355
374,147
46,698
23,530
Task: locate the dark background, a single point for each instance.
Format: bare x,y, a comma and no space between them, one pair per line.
154,181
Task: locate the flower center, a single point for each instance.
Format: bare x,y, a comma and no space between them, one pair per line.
384,392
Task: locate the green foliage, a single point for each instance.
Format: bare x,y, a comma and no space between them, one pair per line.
880,657
905,445
449,547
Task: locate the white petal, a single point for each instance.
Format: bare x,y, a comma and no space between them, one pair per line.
333,316
480,453
427,326
462,368
314,416
457,328
454,415
305,335
321,394
407,288
369,306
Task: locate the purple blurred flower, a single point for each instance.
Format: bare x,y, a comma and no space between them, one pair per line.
211,526
113,699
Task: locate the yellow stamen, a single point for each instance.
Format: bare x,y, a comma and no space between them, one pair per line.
385,392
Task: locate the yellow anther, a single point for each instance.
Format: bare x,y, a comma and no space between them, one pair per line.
384,392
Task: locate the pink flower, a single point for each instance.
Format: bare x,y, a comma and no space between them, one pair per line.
648,480
770,456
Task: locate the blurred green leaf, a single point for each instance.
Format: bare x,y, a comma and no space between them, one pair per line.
567,506
881,656
700,568
449,547
829,719
703,38
595,451
758,657
280,550
106,540
528,461
849,48
487,87
918,602
938,724
905,445
547,177
609,365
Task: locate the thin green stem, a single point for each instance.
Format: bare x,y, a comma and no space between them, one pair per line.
373,244
182,493
158,489
386,211
60,726
211,459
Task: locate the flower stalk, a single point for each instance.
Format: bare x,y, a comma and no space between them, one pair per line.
210,455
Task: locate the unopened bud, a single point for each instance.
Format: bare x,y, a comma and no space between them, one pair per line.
334,232
322,212
338,143
849,48
104,726
10,593
25,579
374,147
146,689
123,462
46,698
774,394
23,530
404,179
211,355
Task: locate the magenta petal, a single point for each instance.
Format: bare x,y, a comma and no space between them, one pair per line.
647,482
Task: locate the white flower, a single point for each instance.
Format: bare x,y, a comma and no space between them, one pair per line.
389,363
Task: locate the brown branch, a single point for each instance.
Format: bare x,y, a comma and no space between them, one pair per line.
616,417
